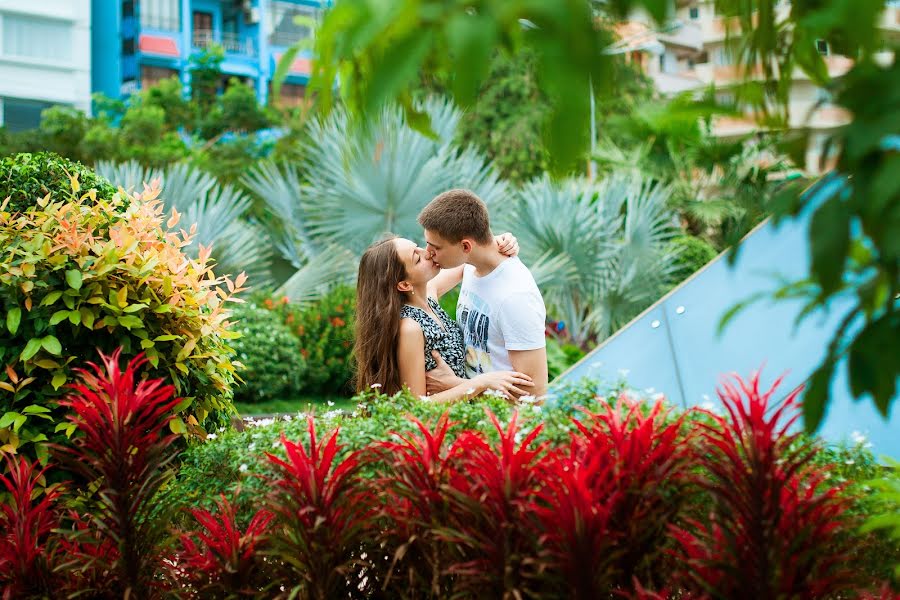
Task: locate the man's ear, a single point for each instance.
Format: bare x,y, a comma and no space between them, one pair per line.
467,246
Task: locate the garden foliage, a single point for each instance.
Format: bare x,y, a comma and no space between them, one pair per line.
26,177
270,353
619,497
80,272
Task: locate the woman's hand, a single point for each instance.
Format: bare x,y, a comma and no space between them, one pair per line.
508,383
507,244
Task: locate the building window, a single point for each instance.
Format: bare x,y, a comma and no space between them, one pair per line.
150,76
283,26
694,13
203,29
822,47
44,39
164,15
22,115
292,95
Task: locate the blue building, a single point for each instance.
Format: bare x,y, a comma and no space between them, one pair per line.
136,43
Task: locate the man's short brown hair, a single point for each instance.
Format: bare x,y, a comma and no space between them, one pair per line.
457,214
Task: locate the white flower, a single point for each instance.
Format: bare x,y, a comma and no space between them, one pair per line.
658,397
211,436
537,408
243,467
849,461
858,438
375,385
330,403
288,417
707,406
252,447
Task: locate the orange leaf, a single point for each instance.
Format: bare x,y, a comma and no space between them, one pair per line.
12,374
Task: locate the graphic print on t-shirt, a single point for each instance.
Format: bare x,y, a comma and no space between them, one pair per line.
475,321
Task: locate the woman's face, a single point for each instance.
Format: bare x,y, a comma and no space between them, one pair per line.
419,268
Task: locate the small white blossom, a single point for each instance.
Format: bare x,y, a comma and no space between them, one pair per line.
849,461
375,386
288,418
211,436
707,406
252,447
858,438
243,467
330,403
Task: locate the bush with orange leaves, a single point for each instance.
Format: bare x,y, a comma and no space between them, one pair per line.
80,273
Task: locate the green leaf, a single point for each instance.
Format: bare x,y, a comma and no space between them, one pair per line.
59,316
58,380
130,321
829,235
35,409
132,308
185,402
816,397
397,68
471,39
87,317
165,338
73,278
13,318
31,348
8,419
282,69
51,345
51,298
74,317
872,369
177,425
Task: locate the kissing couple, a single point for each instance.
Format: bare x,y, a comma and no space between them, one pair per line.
405,340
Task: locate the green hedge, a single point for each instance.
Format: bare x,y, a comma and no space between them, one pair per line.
273,365
25,177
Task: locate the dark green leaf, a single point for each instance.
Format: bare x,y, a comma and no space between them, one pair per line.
13,318
829,236
815,399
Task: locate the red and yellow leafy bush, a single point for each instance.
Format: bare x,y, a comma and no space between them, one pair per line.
81,272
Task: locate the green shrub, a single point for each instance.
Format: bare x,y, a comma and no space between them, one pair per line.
270,353
77,276
561,356
325,331
693,253
25,177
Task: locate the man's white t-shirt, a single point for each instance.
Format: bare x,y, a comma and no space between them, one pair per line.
499,312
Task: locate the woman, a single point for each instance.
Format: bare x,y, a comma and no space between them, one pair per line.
399,322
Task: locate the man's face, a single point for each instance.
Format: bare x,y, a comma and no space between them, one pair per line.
443,253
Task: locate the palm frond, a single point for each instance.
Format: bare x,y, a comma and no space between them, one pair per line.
332,266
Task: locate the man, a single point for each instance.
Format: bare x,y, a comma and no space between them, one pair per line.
500,309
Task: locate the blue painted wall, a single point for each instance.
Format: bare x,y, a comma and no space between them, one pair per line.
675,348
111,68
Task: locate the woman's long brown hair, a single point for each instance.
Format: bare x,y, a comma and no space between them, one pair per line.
378,304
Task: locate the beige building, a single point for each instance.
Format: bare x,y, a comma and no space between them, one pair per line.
690,55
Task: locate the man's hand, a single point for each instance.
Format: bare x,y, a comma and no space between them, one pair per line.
441,377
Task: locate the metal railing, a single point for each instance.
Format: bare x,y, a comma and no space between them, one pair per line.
231,42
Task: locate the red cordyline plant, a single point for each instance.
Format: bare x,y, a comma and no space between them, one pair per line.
123,447
27,517
612,495
219,560
493,497
322,508
413,491
776,526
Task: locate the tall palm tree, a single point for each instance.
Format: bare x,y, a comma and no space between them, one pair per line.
606,242
217,210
